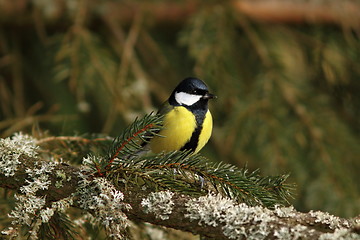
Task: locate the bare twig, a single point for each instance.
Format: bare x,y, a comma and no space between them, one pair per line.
70,138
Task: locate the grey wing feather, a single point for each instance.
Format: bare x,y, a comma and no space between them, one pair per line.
165,108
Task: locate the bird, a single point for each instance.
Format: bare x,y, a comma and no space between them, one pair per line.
187,121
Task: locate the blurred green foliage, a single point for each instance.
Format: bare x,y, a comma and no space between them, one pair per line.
288,95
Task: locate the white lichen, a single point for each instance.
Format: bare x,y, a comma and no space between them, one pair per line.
213,210
26,208
159,203
30,209
46,214
294,233
332,221
28,205
25,143
240,221
105,202
340,234
63,204
282,233
12,148
41,168
40,182
299,231
38,177
61,176
285,212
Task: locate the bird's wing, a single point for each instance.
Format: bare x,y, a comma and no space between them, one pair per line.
165,108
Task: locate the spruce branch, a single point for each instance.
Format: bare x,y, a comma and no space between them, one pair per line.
211,215
182,171
59,227
141,129
196,175
129,142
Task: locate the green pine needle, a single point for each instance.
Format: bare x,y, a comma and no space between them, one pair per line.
183,172
129,142
59,227
196,175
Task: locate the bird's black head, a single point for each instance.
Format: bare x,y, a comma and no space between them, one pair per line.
191,93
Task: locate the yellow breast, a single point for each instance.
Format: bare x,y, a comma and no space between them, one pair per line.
179,125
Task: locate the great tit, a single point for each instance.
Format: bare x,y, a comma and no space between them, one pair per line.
187,123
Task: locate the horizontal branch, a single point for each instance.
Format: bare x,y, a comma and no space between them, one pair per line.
343,12
210,215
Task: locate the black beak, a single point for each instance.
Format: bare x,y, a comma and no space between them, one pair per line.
209,96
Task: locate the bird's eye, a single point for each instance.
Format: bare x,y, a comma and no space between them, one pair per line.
194,91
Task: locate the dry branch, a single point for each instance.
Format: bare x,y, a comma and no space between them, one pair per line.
343,12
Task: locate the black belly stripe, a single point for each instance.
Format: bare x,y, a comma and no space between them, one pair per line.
194,140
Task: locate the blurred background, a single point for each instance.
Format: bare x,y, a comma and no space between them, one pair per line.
287,77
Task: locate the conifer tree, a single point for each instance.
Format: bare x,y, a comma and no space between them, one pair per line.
286,76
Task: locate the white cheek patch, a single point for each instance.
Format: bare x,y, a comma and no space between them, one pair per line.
188,99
